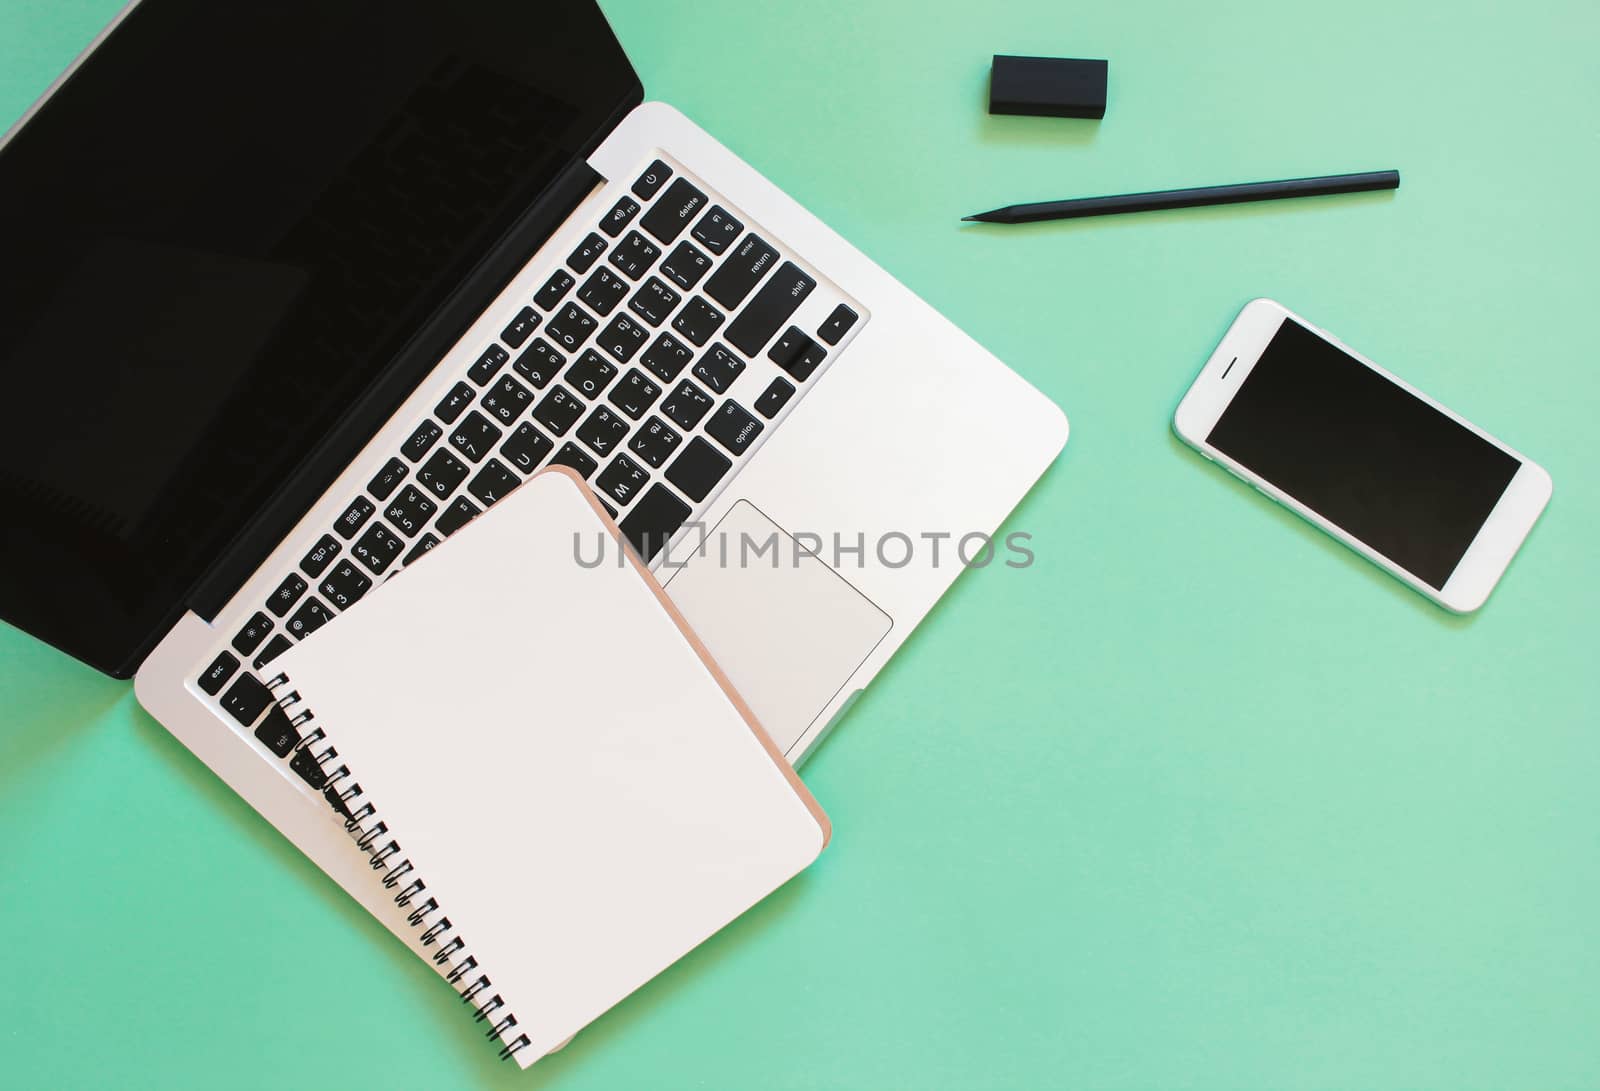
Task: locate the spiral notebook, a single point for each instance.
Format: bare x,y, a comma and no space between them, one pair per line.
546,768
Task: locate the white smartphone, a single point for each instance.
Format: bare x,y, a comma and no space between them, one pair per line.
1379,465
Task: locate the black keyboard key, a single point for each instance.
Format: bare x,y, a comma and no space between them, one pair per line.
287,594
571,327
621,214
774,398
698,320
410,511
742,271
718,369
666,357
359,511
653,521
559,410
321,555
539,363
837,324
622,480
521,328
526,448
651,180
787,348
809,361
275,647
611,511
603,291
654,441
426,435
591,374
476,436
572,455
685,266
686,405
634,394
249,638
676,209
246,699
442,473
278,733
734,427
221,669
603,431
587,253
424,543
379,547
796,353
635,254
493,482
654,301
394,471
311,616
623,338
771,307
698,469
507,399
345,585
554,288
717,229
334,799
461,512
305,763
493,359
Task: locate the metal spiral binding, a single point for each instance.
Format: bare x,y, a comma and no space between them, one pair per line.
371,835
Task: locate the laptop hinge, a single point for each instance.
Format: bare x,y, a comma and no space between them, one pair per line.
378,403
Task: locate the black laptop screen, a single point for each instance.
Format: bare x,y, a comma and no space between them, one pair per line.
216,235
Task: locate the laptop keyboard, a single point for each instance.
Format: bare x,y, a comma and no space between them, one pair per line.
653,362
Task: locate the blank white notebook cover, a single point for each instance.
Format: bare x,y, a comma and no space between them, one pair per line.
563,765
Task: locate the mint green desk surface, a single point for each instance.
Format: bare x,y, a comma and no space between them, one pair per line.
1201,800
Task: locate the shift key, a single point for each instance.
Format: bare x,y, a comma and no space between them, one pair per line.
772,306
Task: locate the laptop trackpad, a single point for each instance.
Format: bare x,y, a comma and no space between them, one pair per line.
786,629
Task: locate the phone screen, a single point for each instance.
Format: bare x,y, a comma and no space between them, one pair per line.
1364,453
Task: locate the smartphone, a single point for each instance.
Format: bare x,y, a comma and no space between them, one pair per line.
1376,463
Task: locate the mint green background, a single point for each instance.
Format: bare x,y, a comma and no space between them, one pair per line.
1199,801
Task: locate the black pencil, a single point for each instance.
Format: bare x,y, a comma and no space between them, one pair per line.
1191,198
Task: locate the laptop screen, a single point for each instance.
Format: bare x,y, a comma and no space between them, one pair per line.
216,234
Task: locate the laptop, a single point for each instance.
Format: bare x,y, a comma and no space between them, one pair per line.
295,291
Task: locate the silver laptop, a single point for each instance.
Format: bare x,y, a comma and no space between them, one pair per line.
297,290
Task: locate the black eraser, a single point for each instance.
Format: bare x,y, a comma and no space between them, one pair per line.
1048,87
